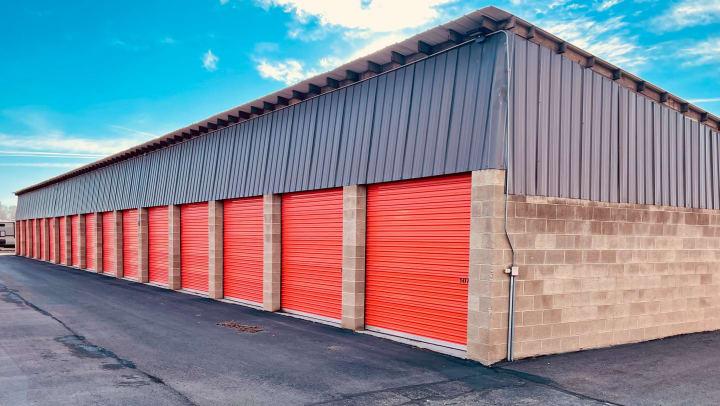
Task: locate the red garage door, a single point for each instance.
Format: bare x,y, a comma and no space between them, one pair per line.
75,240
312,252
52,239
243,249
418,239
194,246
130,243
90,241
108,243
63,253
43,248
35,253
158,244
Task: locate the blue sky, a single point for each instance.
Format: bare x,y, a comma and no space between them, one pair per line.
84,79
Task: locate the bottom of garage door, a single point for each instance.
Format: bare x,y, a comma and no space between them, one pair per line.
417,258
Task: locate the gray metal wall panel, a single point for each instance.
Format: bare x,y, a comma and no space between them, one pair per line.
623,147
441,115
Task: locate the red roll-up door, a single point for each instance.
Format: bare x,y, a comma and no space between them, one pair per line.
51,246
417,257
243,249
130,243
90,241
158,244
63,253
194,246
108,243
75,240
312,252
35,253
43,249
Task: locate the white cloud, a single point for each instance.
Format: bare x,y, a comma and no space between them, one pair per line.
288,71
607,4
688,13
47,154
604,38
210,61
42,164
376,15
702,53
224,2
59,144
708,100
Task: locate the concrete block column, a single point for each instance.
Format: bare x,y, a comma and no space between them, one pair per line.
36,241
118,246
18,238
55,240
68,241
143,275
272,217
46,238
489,256
82,244
353,265
215,237
174,247
98,244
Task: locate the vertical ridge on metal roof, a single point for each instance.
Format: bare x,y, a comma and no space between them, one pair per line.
578,134
439,115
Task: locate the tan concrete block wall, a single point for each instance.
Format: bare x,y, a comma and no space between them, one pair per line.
68,241
83,241
143,276
117,232
18,238
489,256
46,238
174,281
353,266
215,251
55,240
271,252
599,274
98,243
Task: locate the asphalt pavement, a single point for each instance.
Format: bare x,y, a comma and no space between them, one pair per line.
69,336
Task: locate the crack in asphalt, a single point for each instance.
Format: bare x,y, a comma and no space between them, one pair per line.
80,346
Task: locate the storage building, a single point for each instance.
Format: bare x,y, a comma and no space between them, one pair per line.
483,188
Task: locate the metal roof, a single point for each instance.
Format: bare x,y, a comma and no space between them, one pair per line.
479,22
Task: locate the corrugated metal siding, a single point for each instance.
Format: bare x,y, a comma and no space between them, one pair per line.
417,257
312,244
577,134
158,240
441,115
243,249
194,246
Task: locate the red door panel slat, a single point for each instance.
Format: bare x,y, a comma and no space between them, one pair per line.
63,253
75,240
158,244
130,243
194,259
417,257
243,249
312,252
108,243
90,241
52,239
